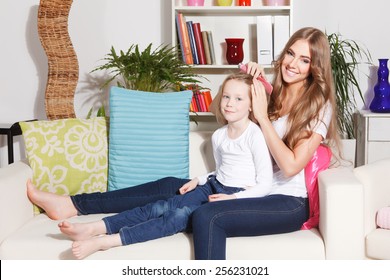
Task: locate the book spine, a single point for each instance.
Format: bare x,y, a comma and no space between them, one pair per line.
202,101
186,40
211,46
192,42
180,37
208,99
194,105
197,101
199,42
206,47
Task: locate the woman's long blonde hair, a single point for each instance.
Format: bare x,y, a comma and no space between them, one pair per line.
318,90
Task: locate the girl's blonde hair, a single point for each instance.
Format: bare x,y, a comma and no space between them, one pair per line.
216,104
318,90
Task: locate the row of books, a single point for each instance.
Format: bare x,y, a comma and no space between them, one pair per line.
201,101
196,46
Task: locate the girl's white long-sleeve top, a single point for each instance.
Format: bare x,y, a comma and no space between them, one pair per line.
244,162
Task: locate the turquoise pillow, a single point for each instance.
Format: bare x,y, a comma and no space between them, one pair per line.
149,136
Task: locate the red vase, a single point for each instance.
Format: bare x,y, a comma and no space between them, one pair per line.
234,50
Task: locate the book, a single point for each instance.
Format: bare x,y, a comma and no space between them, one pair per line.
179,38
208,99
211,46
192,42
264,40
199,42
197,102
281,34
202,102
206,47
186,48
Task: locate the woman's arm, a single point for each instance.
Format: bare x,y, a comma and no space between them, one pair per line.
289,161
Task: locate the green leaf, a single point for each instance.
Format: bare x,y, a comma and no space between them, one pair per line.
346,55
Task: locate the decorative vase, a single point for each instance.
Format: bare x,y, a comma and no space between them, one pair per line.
234,50
244,3
224,2
276,2
195,2
381,101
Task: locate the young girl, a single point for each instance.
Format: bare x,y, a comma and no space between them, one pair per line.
243,170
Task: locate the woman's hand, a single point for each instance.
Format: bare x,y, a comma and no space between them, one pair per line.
189,186
259,101
221,196
255,69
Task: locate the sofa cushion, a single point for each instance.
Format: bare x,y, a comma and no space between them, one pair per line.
148,136
41,232
378,244
67,156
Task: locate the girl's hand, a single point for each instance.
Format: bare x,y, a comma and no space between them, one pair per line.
221,196
259,101
187,187
255,69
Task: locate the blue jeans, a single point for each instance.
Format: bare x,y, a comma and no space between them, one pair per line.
249,216
214,222
125,199
164,217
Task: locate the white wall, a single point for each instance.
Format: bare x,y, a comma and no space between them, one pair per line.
96,25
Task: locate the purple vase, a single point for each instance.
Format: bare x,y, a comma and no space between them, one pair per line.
381,101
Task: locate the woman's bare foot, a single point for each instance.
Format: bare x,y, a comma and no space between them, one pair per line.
84,248
78,231
57,207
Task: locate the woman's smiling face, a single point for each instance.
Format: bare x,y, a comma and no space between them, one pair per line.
296,63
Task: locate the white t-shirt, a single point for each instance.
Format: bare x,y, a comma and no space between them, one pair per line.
244,162
295,185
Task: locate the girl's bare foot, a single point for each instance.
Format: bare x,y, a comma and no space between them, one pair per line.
57,207
78,231
84,248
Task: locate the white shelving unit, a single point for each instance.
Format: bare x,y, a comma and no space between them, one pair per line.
372,137
226,22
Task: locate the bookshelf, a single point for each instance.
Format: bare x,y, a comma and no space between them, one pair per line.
227,22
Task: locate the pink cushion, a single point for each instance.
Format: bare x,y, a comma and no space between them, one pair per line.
383,218
319,162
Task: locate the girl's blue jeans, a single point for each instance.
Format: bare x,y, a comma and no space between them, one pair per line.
212,222
163,217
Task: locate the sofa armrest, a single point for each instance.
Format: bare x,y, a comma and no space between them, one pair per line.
15,207
341,214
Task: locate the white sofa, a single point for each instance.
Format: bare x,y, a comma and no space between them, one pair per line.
340,234
375,180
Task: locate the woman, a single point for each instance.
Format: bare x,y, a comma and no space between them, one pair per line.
299,117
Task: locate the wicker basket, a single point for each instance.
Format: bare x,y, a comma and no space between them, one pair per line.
62,60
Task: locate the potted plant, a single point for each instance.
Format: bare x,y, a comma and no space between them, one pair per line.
346,55
158,70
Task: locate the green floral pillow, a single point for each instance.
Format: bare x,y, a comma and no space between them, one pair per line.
67,156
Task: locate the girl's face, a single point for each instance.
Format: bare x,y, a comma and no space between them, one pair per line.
296,63
235,102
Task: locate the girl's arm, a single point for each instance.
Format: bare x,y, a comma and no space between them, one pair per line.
189,186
